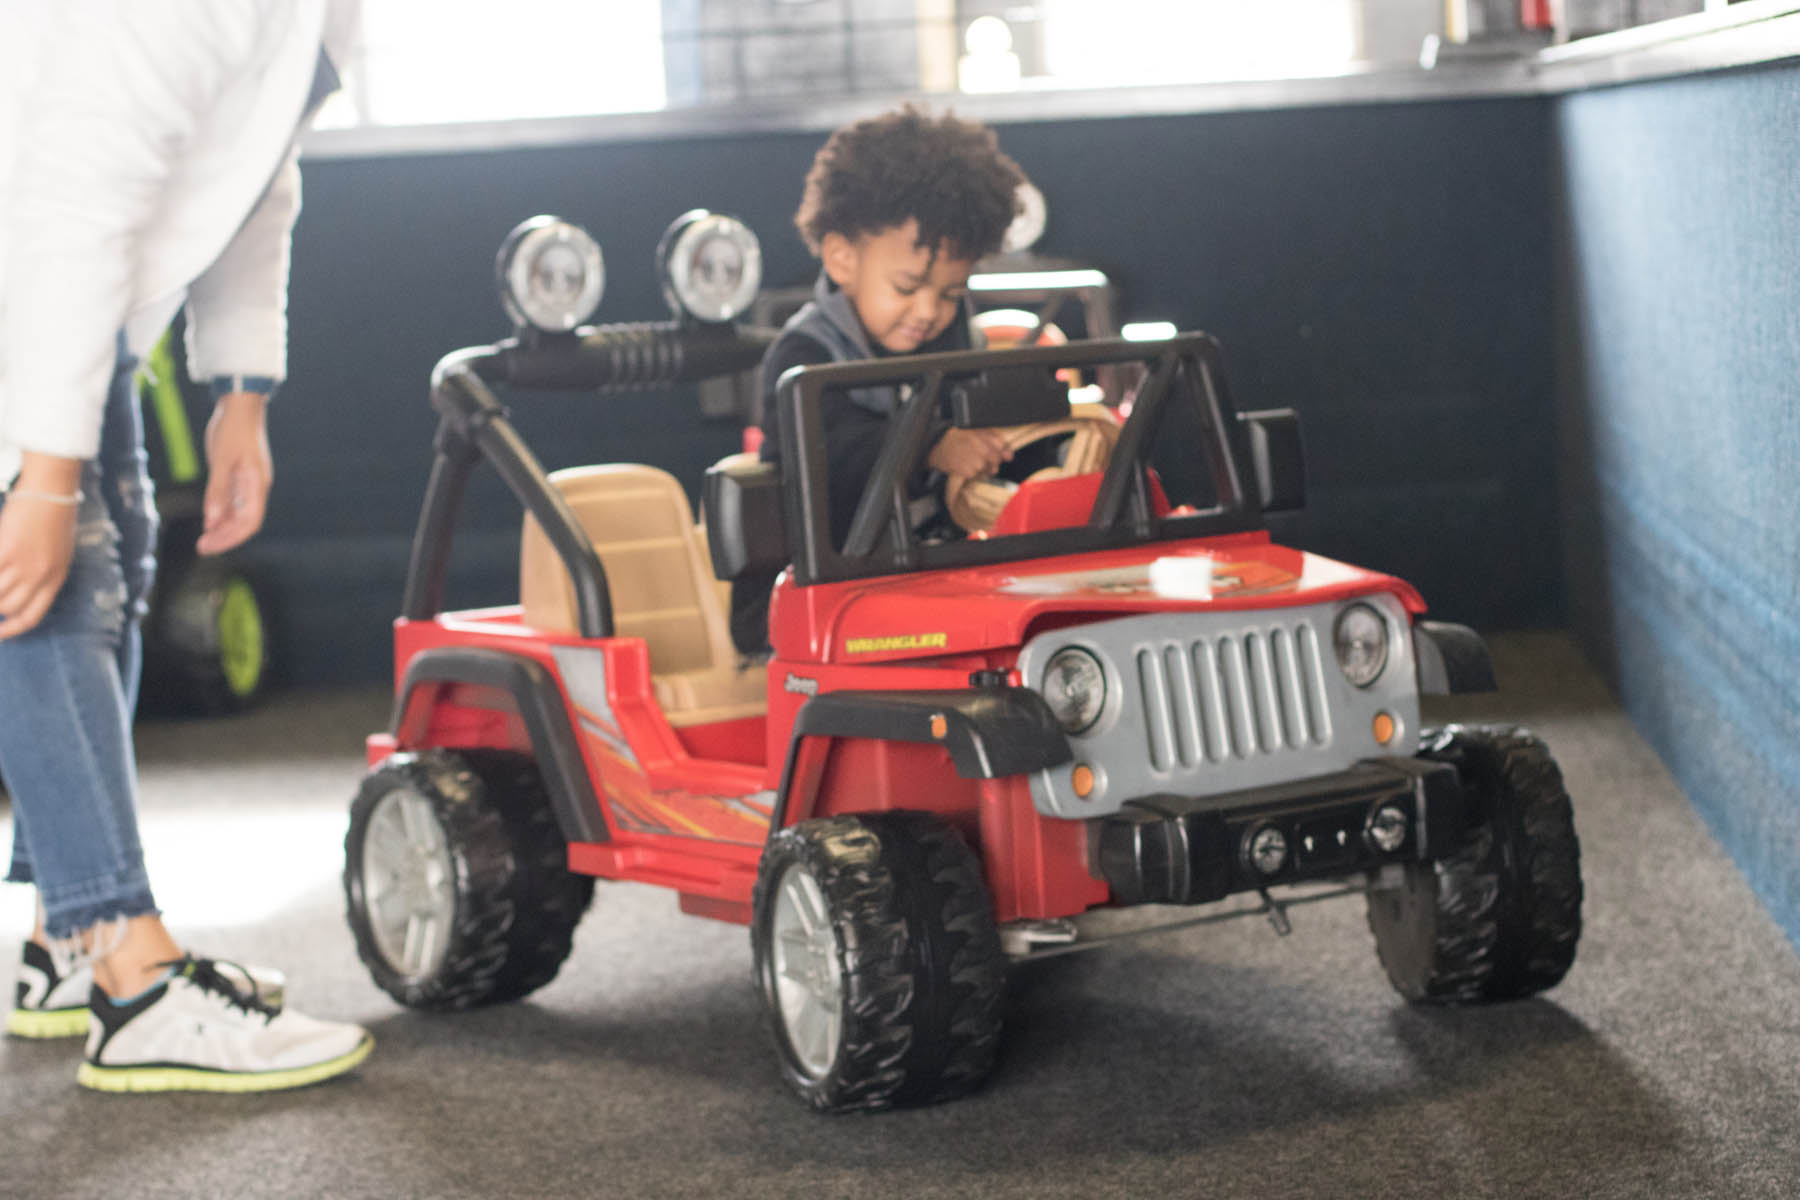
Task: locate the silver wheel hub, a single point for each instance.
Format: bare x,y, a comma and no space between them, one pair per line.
408,883
809,980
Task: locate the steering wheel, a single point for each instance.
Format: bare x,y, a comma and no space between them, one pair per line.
1078,444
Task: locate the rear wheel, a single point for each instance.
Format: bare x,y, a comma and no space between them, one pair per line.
1500,917
877,960
456,880
205,640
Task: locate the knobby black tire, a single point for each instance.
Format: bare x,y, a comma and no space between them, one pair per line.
184,646
1500,917
918,952
517,903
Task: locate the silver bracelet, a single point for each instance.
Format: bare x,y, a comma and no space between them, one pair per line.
70,501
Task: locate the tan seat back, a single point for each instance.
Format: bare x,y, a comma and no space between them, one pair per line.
642,526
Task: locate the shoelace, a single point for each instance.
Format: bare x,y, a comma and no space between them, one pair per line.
204,973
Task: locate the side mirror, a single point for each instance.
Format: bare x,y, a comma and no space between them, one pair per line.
744,527
1277,458
1008,396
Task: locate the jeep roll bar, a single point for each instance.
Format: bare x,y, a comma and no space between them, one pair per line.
474,425
1253,457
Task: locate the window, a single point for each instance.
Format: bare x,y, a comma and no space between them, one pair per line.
446,61
1125,42
429,61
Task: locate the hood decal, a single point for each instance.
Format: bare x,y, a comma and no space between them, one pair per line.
1177,577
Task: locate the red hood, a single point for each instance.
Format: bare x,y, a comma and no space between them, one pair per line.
975,609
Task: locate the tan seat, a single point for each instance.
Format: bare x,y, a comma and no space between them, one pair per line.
660,580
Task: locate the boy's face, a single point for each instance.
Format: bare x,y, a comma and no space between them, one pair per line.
903,293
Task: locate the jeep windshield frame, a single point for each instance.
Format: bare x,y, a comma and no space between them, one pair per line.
1184,370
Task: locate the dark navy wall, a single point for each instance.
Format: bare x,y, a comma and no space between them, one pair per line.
1381,268
1680,292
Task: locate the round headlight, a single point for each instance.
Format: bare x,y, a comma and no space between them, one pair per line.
1075,688
711,266
1360,638
551,274
1030,214
1266,850
1387,828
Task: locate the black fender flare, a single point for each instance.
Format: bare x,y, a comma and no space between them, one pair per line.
1451,659
541,706
988,732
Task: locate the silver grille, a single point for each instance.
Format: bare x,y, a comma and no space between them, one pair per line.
1213,703
1215,699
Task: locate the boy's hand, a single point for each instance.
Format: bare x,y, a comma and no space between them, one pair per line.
969,453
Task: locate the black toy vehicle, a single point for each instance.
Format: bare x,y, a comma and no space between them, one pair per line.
205,637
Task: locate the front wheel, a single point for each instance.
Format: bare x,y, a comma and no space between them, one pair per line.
456,879
877,960
1499,917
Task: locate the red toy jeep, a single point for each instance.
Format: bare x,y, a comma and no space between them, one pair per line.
1124,693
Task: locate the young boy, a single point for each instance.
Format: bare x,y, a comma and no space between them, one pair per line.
897,208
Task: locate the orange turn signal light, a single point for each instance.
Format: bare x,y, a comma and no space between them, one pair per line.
1385,728
1082,780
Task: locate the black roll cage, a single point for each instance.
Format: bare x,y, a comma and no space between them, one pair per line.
474,425
881,541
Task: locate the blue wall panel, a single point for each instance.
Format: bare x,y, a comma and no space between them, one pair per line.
1680,371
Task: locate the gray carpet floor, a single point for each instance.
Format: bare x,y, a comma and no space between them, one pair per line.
1219,1061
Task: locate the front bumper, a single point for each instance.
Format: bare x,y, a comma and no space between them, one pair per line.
1166,849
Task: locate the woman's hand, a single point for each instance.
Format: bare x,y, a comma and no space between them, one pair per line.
37,539
238,472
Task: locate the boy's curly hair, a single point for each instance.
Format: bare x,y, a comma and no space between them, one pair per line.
946,173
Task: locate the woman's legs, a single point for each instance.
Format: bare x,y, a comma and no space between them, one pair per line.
65,745
68,691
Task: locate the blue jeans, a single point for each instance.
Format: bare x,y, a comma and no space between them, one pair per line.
68,690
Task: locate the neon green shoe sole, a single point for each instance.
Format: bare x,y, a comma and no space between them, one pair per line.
193,1079
47,1023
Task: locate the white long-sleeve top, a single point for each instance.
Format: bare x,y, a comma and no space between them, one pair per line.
146,160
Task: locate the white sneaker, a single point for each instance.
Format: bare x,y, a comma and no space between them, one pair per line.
51,998
197,1032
